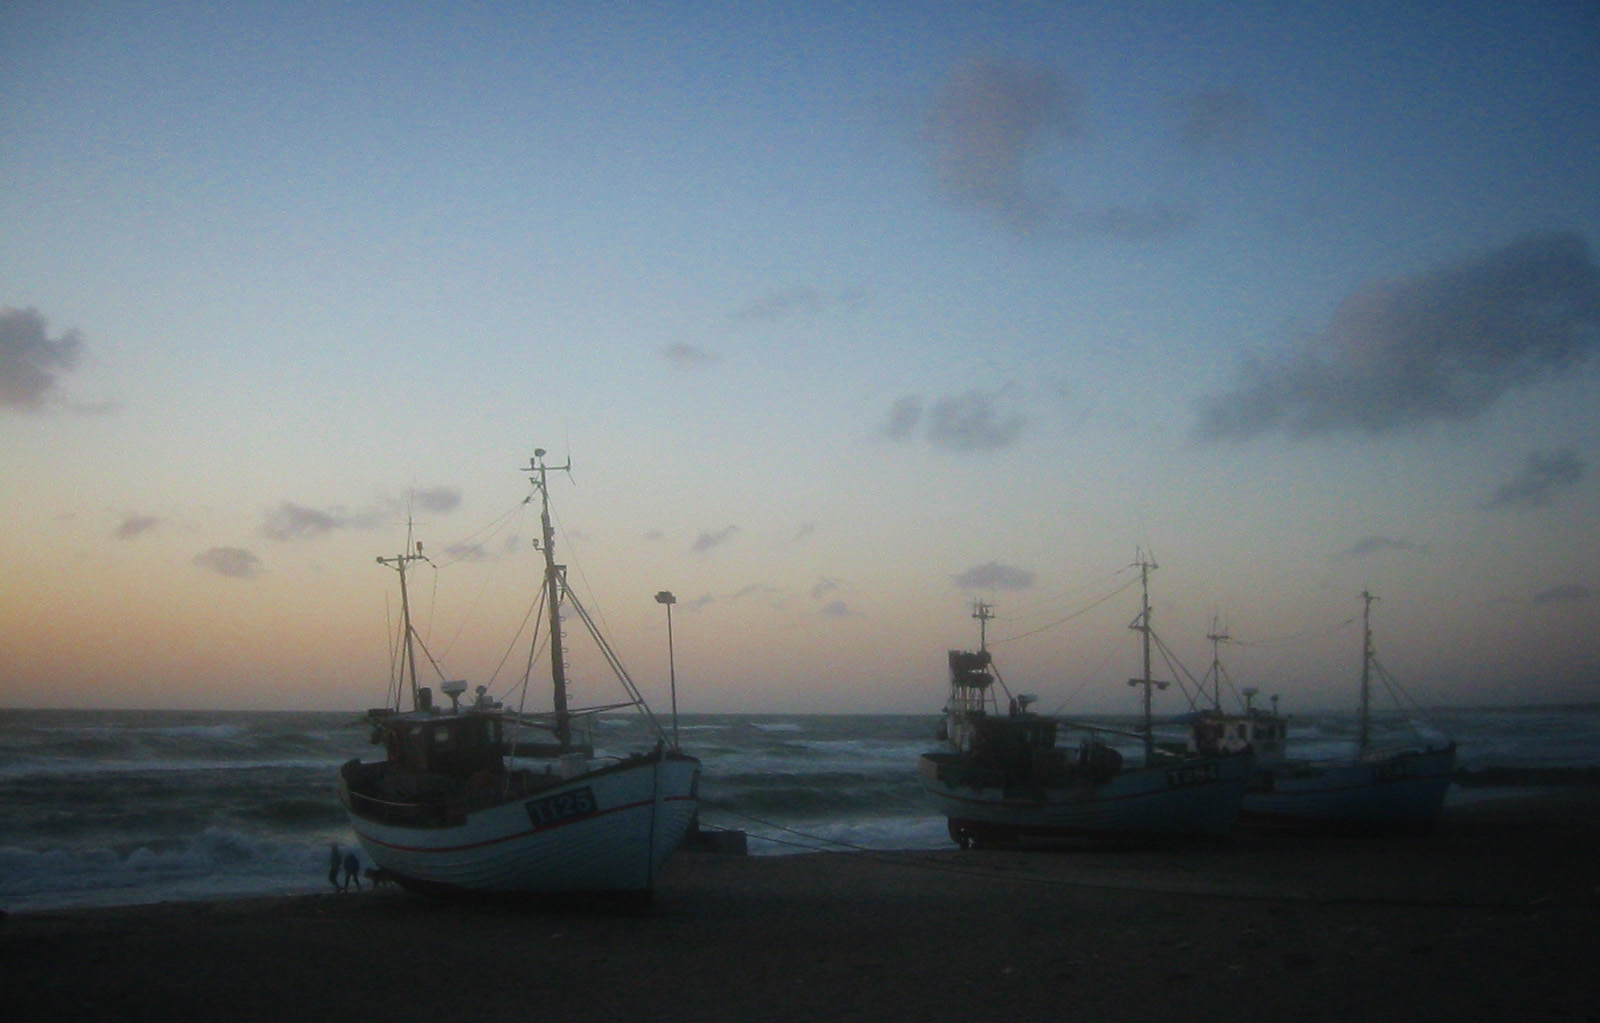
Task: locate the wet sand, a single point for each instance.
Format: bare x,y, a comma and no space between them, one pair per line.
1496,915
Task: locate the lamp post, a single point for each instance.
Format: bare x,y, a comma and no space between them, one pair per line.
666,597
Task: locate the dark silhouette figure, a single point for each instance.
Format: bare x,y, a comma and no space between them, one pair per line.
352,871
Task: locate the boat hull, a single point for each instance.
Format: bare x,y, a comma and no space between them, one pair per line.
608,830
1402,792
1196,797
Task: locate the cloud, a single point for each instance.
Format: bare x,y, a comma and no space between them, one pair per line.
970,421
1440,346
994,576
800,300
30,360
1217,120
232,562
1378,544
988,120
290,521
437,499
134,524
468,552
1566,593
904,415
1542,474
293,521
838,609
824,586
688,355
713,538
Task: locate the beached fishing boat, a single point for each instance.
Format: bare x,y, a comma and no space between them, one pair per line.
1393,786
461,803
1002,777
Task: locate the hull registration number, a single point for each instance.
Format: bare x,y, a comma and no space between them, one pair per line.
561,806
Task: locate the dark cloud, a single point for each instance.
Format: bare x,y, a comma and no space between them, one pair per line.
970,421
713,538
290,521
1218,120
904,415
1542,474
231,562
687,355
437,499
134,524
1378,544
31,361
1441,346
799,300
989,119
994,576
838,609
1566,593
468,552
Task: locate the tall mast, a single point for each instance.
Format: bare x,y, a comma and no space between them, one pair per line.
983,613
1142,625
1216,636
1366,668
554,580
398,563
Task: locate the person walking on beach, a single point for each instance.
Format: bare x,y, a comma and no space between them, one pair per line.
352,870
334,862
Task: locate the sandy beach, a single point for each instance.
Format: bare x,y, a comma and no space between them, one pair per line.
1496,915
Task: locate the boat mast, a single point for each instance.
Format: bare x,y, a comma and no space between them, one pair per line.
1366,669
1142,625
983,613
398,563
1216,636
554,580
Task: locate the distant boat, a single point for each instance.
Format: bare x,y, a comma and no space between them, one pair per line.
1002,778
459,804
1377,788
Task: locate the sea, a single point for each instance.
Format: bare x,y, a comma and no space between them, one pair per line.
102,807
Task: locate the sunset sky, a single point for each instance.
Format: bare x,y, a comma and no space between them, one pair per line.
847,315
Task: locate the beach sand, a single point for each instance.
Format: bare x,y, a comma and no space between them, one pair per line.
1494,916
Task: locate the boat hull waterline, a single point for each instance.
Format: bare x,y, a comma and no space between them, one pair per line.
1191,798
604,831
1405,791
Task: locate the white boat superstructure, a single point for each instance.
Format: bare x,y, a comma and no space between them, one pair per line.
461,804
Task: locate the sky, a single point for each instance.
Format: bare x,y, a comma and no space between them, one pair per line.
847,316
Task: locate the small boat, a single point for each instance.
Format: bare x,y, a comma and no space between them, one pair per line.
1002,777
1378,788
460,804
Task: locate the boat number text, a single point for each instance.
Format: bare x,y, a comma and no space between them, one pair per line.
1194,774
562,806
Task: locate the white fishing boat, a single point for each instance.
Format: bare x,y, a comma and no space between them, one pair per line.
1379,787
1002,778
461,803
